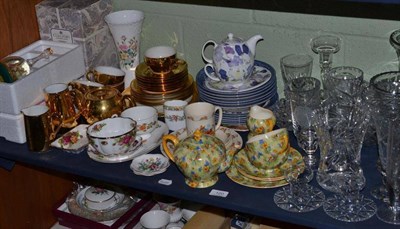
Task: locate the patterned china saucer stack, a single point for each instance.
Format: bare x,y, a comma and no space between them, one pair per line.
259,89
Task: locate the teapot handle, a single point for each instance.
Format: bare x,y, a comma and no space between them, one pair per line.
175,141
204,48
128,101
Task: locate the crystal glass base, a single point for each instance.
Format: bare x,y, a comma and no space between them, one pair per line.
380,193
386,214
311,199
355,211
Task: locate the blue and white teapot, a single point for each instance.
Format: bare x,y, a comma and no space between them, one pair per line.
233,59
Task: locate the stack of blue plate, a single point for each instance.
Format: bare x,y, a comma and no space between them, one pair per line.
235,101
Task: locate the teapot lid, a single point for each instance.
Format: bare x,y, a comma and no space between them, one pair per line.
230,39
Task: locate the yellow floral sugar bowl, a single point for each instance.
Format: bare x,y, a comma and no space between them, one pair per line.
199,157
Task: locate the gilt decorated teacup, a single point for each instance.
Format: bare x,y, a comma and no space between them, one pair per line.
112,136
160,58
268,150
106,75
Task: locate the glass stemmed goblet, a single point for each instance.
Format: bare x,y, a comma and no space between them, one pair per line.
395,42
299,196
384,101
304,96
325,46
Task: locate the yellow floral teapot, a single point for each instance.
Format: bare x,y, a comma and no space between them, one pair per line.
199,157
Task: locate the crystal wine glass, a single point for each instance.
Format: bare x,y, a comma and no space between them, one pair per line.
304,96
299,196
292,66
325,46
395,42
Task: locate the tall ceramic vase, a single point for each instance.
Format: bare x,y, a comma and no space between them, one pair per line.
125,27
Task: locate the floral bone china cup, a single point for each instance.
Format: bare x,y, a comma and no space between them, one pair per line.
199,157
201,116
146,118
233,59
269,150
112,136
174,114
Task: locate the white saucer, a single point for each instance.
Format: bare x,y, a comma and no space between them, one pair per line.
93,154
152,142
149,164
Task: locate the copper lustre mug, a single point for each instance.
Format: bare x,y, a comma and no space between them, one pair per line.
39,127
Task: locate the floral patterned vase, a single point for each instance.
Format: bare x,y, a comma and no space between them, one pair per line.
125,27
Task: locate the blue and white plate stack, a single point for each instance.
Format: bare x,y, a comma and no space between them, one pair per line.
235,101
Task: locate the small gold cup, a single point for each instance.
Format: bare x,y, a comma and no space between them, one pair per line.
106,75
160,59
39,127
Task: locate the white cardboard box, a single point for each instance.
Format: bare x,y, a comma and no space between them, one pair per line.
65,65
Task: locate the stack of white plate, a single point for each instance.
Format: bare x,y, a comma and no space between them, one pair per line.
235,101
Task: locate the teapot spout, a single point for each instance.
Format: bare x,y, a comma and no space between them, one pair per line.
228,160
252,42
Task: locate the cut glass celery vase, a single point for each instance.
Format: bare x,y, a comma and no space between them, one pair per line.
384,102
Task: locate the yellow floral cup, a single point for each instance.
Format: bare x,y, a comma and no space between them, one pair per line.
269,150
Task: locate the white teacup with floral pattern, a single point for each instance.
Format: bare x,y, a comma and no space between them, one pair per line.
146,118
112,136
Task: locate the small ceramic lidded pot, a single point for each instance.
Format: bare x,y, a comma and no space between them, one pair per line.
100,199
103,103
199,157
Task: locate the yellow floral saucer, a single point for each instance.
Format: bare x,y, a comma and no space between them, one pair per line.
236,177
248,170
